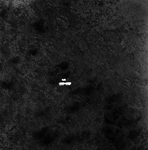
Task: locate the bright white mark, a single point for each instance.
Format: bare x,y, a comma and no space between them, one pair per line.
64,83
63,79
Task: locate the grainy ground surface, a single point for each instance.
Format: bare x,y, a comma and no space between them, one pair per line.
98,45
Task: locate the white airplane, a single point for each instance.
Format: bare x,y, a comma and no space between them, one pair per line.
64,83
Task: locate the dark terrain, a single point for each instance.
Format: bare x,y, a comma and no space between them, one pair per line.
98,45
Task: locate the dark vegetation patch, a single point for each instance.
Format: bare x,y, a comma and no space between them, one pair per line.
65,75
76,137
3,13
117,117
33,51
135,133
39,26
76,91
15,60
64,65
84,136
46,136
69,139
4,10
72,108
85,90
7,84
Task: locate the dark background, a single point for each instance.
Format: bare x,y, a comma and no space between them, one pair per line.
98,45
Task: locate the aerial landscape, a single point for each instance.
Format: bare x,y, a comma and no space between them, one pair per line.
73,75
